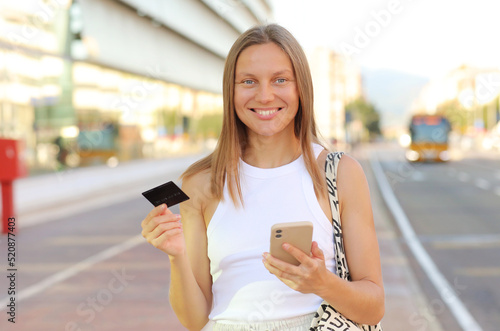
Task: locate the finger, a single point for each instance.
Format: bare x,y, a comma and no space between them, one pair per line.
278,267
160,219
275,266
165,227
158,210
165,236
302,257
161,229
316,251
289,279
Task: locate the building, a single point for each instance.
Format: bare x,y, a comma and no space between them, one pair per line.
337,82
474,93
87,81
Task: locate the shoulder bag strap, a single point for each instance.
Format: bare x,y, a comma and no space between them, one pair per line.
331,166
324,323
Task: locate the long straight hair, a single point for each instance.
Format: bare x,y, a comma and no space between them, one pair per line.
224,160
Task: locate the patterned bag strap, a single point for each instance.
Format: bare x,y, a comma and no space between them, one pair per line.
331,166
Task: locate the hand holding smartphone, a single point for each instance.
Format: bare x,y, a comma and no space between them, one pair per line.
298,234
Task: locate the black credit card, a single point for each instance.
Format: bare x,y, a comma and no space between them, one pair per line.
167,193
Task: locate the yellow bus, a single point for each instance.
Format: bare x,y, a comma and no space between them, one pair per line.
429,139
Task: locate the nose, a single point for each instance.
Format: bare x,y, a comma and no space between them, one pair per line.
265,94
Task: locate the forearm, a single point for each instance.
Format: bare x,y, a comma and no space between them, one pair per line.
186,297
361,301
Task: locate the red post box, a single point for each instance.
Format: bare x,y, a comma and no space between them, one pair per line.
12,166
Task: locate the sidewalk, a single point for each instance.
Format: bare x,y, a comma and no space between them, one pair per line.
47,197
40,199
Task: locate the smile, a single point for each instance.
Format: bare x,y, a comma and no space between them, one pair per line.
266,112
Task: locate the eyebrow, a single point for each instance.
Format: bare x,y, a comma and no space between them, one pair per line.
277,73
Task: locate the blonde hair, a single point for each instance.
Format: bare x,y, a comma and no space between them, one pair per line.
224,161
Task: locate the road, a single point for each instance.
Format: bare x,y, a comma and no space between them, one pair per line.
454,210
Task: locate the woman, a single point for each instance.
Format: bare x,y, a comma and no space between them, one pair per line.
267,168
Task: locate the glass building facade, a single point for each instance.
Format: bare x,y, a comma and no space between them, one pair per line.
71,111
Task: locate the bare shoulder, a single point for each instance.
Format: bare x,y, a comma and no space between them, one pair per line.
202,203
197,187
352,185
350,175
349,167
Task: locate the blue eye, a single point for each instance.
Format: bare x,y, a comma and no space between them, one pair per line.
281,80
248,82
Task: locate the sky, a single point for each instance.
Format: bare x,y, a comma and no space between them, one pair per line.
422,37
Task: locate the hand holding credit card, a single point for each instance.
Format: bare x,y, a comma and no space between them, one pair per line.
167,193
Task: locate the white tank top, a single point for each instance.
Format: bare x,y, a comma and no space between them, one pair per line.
243,289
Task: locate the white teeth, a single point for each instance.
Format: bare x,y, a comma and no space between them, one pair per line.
266,112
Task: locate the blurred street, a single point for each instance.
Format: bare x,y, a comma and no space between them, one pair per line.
454,209
91,270
87,267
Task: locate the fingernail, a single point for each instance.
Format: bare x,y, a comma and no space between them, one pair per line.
286,246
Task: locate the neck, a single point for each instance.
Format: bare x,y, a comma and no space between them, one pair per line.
271,152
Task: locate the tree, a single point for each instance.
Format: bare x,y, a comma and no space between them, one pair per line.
365,112
456,114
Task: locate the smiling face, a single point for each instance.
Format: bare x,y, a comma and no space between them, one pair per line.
265,94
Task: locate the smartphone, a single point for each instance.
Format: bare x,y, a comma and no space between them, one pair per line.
298,234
